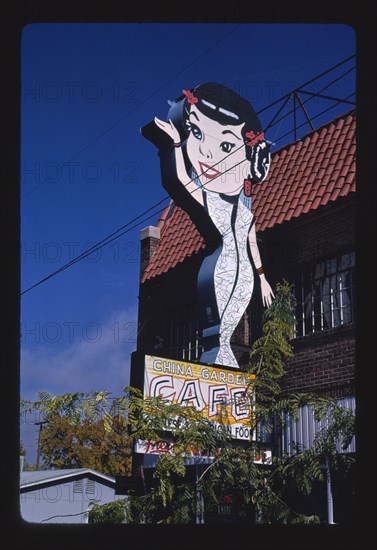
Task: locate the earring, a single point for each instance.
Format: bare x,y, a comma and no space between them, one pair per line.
247,188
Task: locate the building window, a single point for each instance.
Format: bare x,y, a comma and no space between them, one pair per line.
185,331
325,295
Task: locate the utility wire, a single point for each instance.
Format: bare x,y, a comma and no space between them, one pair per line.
122,230
115,235
316,116
110,238
303,124
308,82
285,106
313,95
183,69
98,246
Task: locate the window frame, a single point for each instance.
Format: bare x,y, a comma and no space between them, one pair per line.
185,333
324,299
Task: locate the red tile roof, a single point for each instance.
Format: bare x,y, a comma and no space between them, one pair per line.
179,239
304,175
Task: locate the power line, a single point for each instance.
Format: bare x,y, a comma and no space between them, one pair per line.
118,233
138,106
107,240
304,123
308,82
115,235
122,230
318,115
313,95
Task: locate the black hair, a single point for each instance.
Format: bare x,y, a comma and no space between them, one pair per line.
227,100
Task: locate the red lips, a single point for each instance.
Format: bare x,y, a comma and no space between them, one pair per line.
208,171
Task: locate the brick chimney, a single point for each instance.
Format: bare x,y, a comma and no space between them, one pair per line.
150,238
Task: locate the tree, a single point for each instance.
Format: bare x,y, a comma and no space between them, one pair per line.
265,494
112,512
167,500
26,466
84,430
94,430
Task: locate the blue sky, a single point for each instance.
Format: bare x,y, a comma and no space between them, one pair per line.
86,170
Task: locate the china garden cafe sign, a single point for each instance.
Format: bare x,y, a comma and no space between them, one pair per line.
221,395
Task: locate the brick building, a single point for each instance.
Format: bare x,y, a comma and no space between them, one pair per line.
305,220
306,224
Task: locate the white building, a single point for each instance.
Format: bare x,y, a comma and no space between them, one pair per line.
63,496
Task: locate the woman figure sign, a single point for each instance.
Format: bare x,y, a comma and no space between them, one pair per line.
214,136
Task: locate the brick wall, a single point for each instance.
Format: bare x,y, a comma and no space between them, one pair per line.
323,361
308,239
149,240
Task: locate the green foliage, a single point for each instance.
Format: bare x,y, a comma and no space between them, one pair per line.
95,430
26,466
22,449
268,354
171,499
84,430
151,419
112,512
264,489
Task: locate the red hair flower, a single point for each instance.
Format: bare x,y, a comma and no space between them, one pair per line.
190,96
254,138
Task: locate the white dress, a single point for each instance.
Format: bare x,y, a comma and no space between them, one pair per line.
233,274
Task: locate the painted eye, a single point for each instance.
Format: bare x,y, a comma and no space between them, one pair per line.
196,131
226,147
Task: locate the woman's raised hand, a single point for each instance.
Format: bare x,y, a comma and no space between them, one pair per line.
181,170
168,128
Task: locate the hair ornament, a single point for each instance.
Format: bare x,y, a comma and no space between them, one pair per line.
190,97
254,138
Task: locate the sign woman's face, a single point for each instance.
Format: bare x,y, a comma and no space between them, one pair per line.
217,153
